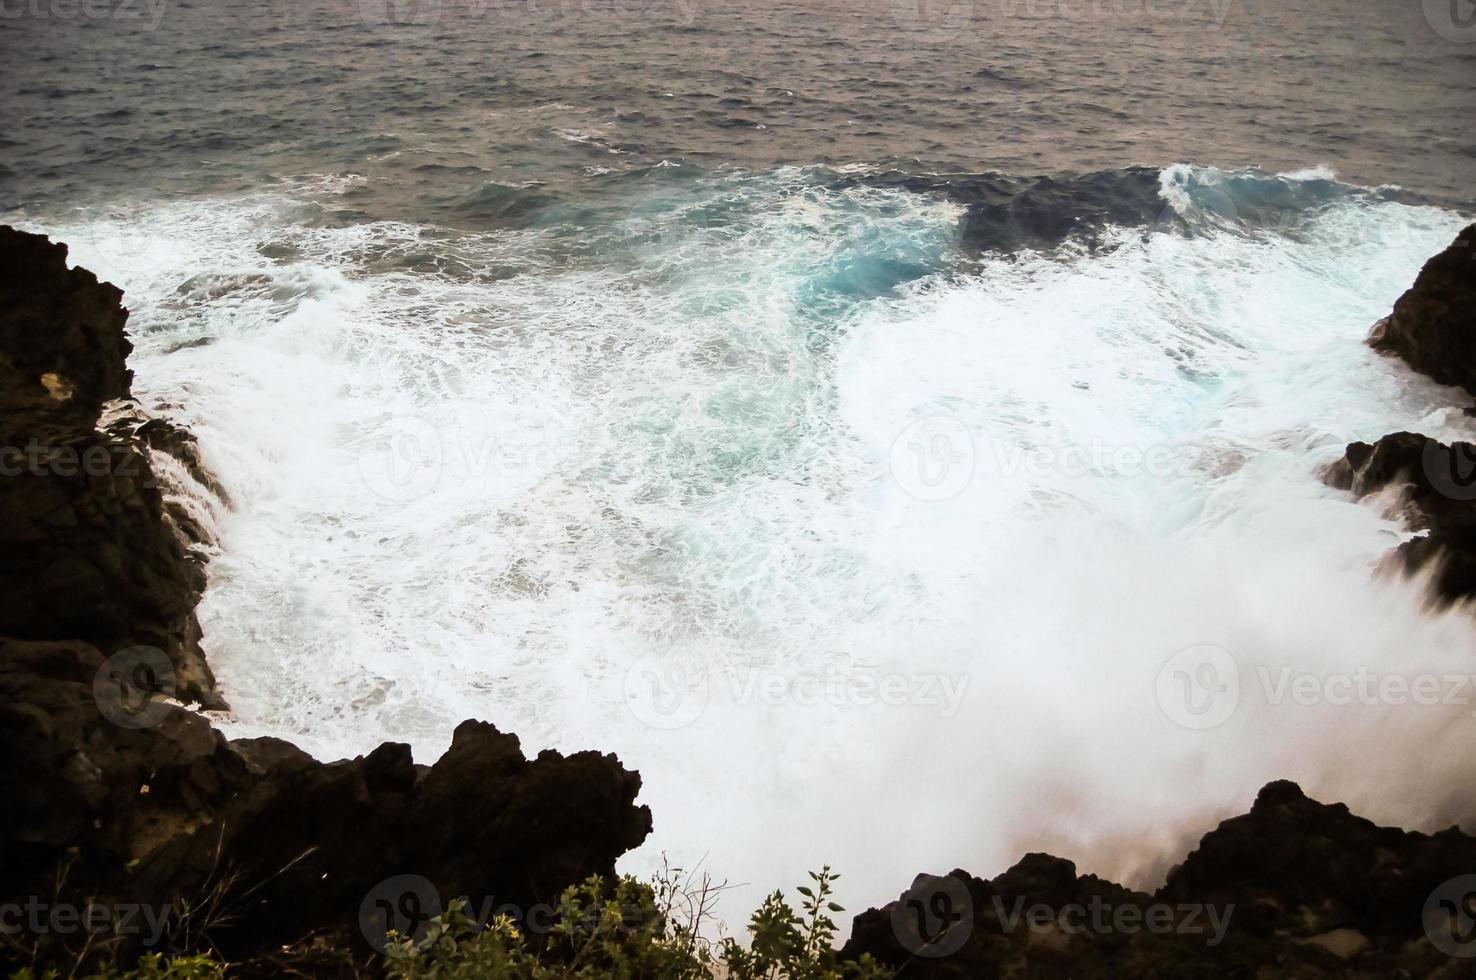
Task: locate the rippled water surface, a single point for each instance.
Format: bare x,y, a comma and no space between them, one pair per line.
460,105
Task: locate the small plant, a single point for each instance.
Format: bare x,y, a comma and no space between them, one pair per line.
791,946
599,930
621,933
635,931
151,966
155,967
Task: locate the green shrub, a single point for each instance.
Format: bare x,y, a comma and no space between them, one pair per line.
625,930
598,932
634,931
796,946
149,967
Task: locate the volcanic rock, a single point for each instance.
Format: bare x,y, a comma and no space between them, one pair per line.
1294,888
1433,325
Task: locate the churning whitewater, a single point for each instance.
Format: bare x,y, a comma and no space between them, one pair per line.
821,521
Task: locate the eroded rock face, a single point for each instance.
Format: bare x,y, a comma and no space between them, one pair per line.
1433,326
62,347
1433,491
1297,869
93,550
279,847
118,796
1294,888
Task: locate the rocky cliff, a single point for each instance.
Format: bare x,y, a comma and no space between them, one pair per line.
1436,497
119,797
1294,888
1433,328
91,551
1433,324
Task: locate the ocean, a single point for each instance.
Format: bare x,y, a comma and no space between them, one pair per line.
858,417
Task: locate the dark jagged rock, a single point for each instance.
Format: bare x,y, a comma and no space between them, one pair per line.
1433,326
1004,213
62,347
1294,888
78,776
965,927
1436,486
1297,868
119,796
93,549
273,846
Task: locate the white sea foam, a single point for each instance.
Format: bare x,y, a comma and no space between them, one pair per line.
622,504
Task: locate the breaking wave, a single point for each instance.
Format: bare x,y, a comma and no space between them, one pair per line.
863,513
